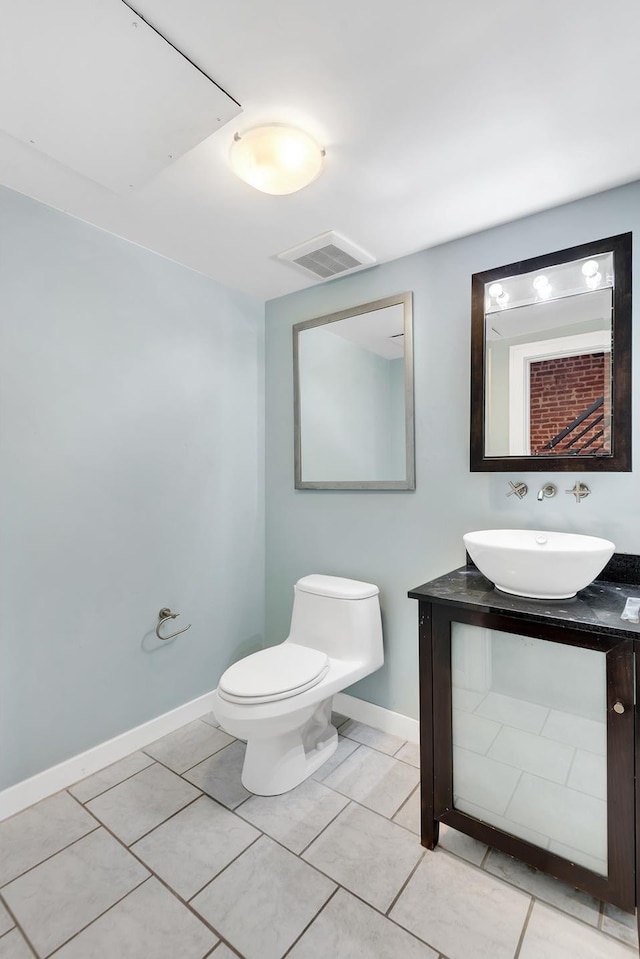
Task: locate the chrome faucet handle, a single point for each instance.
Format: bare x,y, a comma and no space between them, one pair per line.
547,491
518,489
580,490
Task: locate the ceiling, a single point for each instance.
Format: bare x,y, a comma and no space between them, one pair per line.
438,119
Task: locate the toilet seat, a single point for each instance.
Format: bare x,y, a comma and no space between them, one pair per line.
275,673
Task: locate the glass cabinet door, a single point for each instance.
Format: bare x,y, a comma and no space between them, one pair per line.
529,740
533,745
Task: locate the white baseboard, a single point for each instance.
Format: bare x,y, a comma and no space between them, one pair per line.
52,780
377,716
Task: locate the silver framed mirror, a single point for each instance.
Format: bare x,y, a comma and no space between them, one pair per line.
353,398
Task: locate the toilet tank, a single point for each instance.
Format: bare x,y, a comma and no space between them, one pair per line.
339,616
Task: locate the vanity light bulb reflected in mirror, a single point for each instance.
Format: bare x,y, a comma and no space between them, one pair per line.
542,287
592,277
590,268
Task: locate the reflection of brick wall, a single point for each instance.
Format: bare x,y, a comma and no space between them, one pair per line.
561,389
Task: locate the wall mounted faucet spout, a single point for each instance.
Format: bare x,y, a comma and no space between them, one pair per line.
547,491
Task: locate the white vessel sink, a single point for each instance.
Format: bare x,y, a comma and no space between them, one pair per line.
538,563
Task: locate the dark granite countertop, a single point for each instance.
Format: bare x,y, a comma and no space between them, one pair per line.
594,609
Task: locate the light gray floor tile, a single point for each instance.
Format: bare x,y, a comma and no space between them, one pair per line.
550,935
589,774
461,845
193,846
622,925
533,754
579,856
223,952
375,780
550,890
296,817
62,895
345,748
484,781
473,732
264,900
31,836
409,753
576,731
138,805
409,814
506,825
513,712
92,786
466,699
13,946
6,922
337,719
219,776
348,929
461,911
564,814
188,745
366,853
210,718
383,742
149,922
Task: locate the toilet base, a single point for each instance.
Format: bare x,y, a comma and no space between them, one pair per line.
274,766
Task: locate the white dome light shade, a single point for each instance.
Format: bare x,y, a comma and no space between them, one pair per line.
276,159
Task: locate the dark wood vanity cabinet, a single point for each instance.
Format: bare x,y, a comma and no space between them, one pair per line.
529,736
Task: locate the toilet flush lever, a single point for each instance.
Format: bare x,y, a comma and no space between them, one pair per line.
163,617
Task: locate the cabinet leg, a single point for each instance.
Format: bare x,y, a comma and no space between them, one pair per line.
430,833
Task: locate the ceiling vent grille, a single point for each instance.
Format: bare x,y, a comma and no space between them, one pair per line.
327,255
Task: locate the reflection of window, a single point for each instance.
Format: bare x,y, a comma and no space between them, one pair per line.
569,405
560,389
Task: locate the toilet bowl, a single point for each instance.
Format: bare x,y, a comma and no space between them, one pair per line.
279,699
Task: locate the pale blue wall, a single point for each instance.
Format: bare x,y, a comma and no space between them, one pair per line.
351,410
131,477
402,539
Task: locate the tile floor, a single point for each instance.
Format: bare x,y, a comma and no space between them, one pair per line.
165,855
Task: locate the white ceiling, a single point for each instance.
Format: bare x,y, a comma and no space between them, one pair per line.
438,120
379,331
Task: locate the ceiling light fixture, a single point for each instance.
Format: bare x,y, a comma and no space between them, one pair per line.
276,159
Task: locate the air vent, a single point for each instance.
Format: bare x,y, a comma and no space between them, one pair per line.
327,255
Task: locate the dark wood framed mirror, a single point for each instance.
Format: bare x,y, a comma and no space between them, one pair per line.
551,361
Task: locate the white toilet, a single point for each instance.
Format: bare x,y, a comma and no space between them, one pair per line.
279,699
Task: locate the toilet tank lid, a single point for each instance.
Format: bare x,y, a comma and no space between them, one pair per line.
336,587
